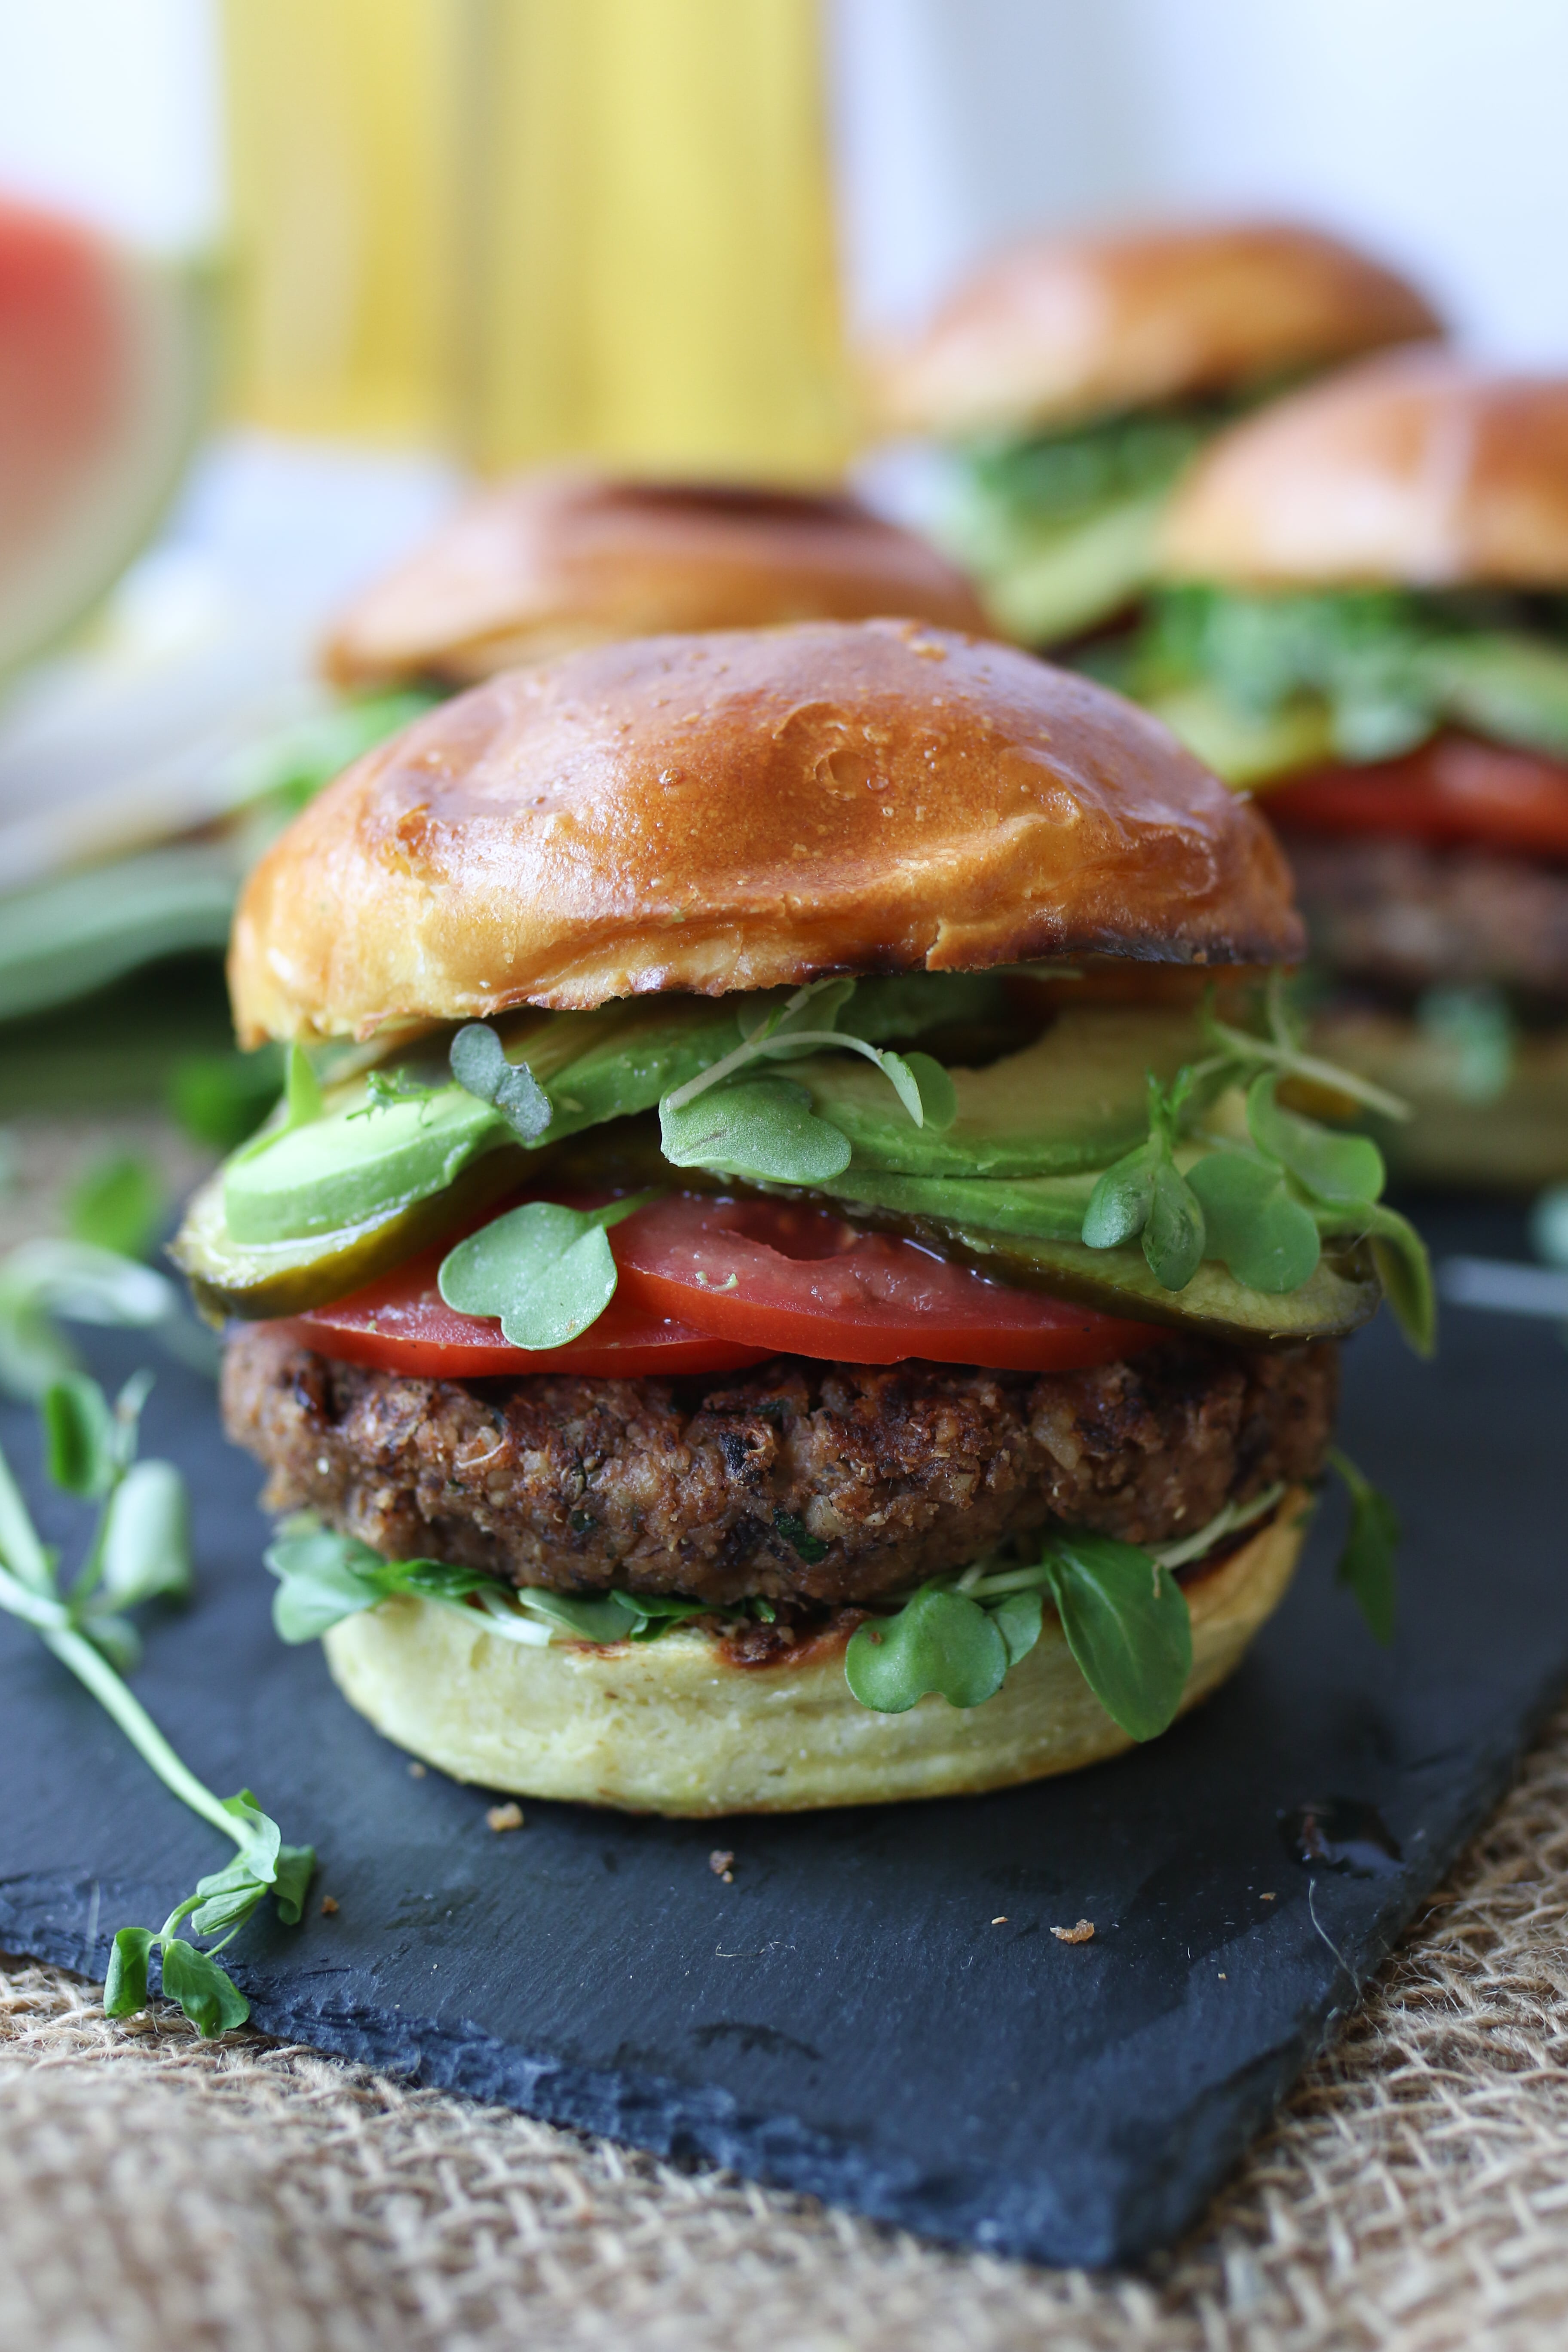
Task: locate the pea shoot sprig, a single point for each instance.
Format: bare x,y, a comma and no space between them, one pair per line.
1262,1202
139,1550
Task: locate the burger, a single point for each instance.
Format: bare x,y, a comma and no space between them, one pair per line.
1072,380
1367,621
786,1272
547,562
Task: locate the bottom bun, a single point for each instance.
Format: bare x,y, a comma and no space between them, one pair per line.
671,1726
1512,1140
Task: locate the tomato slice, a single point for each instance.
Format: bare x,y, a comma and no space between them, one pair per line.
401,1323
710,1285
1452,792
802,1281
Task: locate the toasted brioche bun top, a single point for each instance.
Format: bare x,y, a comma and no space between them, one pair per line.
1064,329
547,563
1416,467
747,810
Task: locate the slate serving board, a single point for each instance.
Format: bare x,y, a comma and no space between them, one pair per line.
875,2010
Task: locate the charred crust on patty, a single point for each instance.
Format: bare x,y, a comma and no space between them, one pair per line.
799,1482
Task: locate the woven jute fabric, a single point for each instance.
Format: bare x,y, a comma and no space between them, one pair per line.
155,2191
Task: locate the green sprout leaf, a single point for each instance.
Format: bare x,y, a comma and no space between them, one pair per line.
1144,1195
139,1548
805,1023
146,1548
321,1582
117,1205
1174,1234
1405,1269
1366,1564
296,1868
1254,1224
1333,1166
79,1438
479,1064
763,1128
1119,1203
941,1642
1127,1624
125,1987
229,1899
301,1090
324,1577
548,1272
611,1619
210,1998
1019,1618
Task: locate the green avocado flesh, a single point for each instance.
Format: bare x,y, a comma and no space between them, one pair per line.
1076,1098
263,1279
402,1157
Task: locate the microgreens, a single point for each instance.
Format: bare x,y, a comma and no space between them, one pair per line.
44,1281
1144,1195
1124,1616
546,1271
324,1578
139,1550
1367,1563
481,1067
1261,1205
958,1637
1384,668
385,1088
785,1034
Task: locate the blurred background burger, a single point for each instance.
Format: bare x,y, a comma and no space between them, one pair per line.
1073,380
1372,629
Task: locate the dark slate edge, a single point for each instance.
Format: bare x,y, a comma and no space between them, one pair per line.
1025,2218
1229,2116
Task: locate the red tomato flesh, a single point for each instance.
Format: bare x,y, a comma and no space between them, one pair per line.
709,1286
802,1281
1454,791
401,1324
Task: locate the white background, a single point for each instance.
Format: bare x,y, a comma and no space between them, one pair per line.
1437,129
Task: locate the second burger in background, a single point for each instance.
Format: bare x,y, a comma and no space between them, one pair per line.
1369,623
1070,380
547,562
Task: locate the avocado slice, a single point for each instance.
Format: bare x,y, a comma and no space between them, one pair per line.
261,1279
1077,1097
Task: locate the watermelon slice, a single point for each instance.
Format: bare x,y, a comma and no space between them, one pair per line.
103,370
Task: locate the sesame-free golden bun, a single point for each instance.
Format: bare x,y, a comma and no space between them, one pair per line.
547,563
1417,468
747,810
671,1726
1059,330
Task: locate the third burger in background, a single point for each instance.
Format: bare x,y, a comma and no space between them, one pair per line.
1070,380
1370,624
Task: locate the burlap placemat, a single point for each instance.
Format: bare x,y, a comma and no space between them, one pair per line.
156,2192
1414,2193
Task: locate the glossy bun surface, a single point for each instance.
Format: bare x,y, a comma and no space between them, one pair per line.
1420,469
747,810
541,565
1062,329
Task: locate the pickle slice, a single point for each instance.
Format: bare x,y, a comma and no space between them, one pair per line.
263,1279
1340,1294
